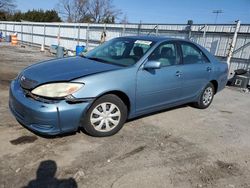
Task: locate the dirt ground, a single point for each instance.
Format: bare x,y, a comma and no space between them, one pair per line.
181,147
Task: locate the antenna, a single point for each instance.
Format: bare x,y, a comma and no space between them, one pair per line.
217,12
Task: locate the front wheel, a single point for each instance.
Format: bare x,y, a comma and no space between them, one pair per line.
206,97
106,116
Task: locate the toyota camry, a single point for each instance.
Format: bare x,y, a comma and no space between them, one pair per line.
123,78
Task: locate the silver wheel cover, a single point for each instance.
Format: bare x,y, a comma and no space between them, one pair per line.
207,96
105,117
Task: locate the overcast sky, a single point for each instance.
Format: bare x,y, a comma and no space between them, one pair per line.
167,11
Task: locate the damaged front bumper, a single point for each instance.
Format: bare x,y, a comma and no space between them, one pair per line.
52,118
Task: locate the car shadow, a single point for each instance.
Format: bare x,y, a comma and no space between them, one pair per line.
45,177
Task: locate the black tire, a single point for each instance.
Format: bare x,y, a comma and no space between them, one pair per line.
203,102
103,130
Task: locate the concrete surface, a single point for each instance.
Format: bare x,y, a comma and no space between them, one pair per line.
180,147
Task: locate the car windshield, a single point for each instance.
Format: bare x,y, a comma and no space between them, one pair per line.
120,51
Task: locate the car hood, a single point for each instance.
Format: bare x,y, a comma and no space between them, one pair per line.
59,70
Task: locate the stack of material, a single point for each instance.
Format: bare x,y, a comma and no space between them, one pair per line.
241,79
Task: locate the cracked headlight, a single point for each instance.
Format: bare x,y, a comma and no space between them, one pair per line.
57,90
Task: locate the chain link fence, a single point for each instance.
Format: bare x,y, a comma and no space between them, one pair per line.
215,38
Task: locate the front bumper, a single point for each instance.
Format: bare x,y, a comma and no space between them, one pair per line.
45,118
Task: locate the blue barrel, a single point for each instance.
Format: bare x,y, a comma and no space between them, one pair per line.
79,49
60,52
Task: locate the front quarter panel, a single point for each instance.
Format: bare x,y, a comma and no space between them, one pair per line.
122,80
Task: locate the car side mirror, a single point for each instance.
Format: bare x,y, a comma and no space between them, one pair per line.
152,65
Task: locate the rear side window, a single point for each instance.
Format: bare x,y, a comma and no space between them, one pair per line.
192,54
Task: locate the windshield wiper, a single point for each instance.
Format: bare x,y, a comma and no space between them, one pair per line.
104,61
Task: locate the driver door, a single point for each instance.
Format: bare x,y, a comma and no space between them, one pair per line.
159,87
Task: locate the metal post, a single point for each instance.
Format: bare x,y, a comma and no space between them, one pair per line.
74,32
5,30
124,29
32,34
190,33
87,37
58,35
189,29
232,45
139,28
204,35
204,32
78,35
44,34
157,30
21,31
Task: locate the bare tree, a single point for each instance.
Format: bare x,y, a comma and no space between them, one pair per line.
94,11
102,11
7,5
72,10
124,20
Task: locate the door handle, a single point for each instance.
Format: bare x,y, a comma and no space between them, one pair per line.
178,73
209,69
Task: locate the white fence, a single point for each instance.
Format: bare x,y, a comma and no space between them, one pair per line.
216,38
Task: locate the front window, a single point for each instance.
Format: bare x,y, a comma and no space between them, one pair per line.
166,54
121,51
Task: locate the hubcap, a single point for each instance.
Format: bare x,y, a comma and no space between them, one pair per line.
105,117
207,96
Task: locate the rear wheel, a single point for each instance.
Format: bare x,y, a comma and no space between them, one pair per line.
206,97
106,116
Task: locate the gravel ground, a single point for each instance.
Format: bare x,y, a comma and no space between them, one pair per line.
180,147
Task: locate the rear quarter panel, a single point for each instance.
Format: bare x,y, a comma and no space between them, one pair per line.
220,74
219,71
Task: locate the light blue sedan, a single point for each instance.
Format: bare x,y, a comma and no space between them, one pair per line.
121,79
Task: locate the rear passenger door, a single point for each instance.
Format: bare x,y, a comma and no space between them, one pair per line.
195,70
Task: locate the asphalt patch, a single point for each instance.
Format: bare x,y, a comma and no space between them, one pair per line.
225,111
229,168
24,140
133,152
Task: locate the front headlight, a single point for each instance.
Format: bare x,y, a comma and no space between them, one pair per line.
57,90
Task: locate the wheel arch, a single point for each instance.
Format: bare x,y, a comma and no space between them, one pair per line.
123,96
215,84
